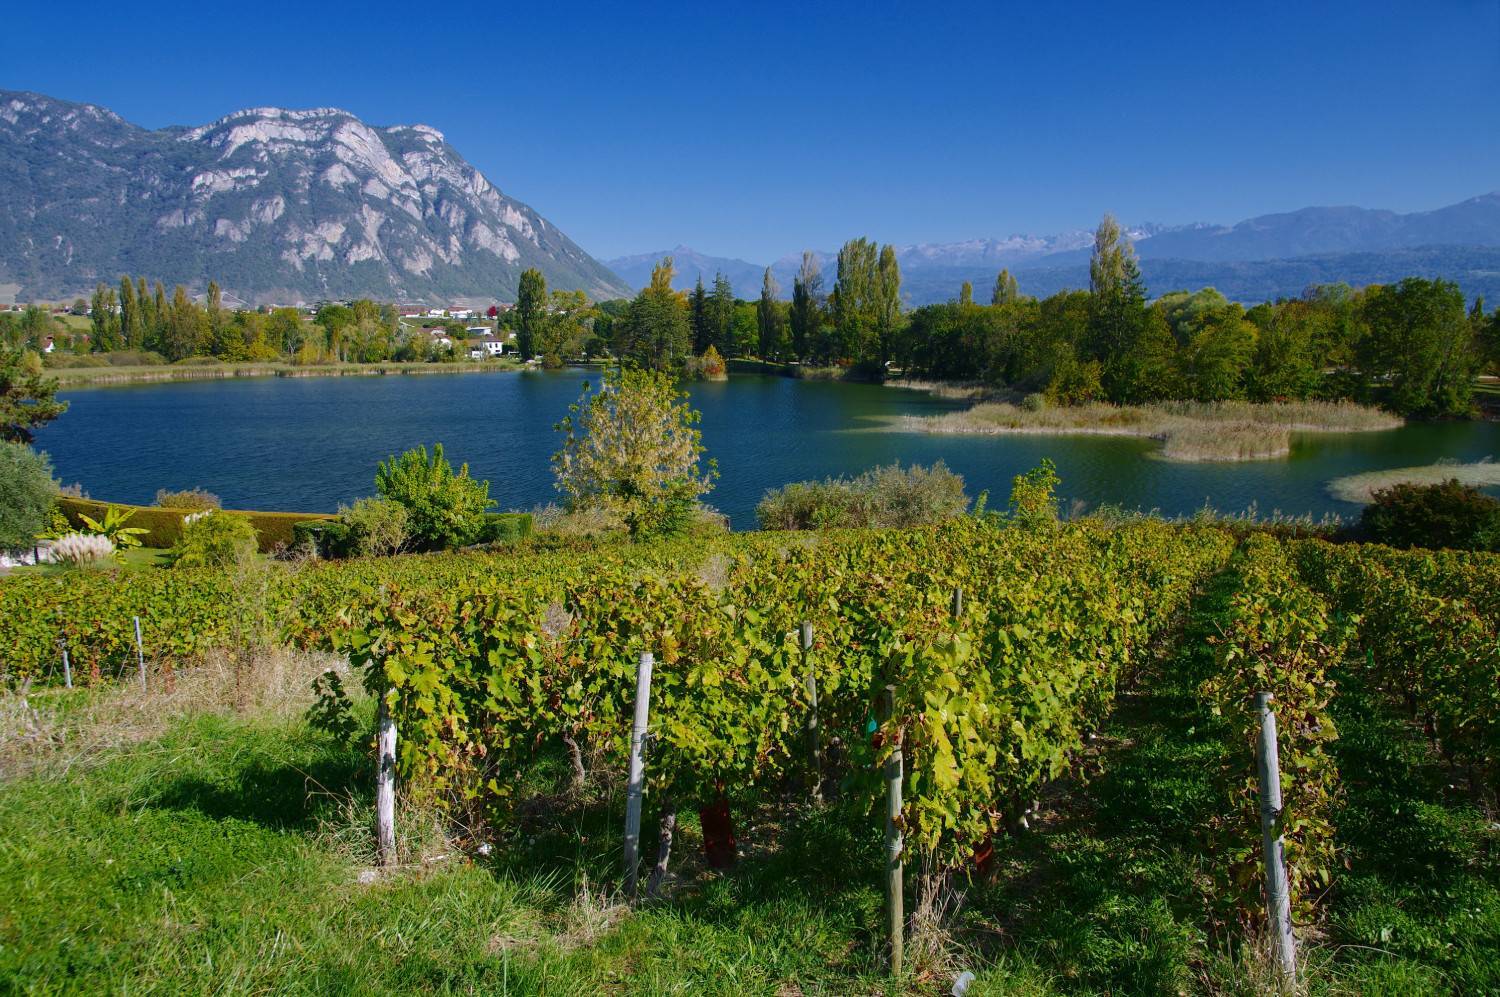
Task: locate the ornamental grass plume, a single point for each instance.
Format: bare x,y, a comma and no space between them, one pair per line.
80,549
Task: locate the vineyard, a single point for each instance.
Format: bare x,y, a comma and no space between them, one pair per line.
990,658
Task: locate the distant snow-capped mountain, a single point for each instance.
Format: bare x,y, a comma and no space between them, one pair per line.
1258,258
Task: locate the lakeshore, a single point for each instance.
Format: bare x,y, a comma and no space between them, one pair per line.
69,377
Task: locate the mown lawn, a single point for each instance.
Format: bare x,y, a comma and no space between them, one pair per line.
229,852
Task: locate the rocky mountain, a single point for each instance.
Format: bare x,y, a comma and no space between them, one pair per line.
689,266
1264,257
274,204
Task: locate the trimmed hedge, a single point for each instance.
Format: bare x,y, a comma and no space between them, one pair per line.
164,526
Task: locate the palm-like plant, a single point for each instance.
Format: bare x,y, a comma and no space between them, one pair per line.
113,527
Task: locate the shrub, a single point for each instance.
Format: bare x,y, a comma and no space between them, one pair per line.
81,549
376,527
633,447
323,537
1034,402
27,491
505,527
213,539
1033,495
191,498
1449,514
882,497
444,508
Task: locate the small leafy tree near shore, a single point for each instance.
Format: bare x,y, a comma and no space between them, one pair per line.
631,447
444,508
27,491
1033,495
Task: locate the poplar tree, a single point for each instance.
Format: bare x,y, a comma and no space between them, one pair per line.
721,316
130,315
1006,289
104,319
807,306
698,317
769,318
887,302
966,294
531,310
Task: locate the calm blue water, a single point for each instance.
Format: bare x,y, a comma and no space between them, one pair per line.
309,444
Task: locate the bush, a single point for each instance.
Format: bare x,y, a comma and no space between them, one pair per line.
881,497
193,499
376,527
1034,402
505,527
214,539
444,509
1033,495
1450,514
323,537
27,491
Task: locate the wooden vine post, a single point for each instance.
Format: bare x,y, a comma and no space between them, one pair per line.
385,787
894,865
814,740
62,645
636,786
1278,895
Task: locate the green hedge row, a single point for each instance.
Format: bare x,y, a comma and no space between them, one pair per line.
164,526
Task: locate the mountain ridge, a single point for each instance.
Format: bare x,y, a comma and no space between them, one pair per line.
1311,240
273,203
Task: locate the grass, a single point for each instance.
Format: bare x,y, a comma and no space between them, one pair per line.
1361,488
131,558
205,839
1188,431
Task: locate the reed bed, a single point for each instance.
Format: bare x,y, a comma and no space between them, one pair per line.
1188,431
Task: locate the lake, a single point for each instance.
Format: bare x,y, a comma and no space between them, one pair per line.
309,444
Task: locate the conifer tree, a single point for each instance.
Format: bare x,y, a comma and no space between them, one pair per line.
531,310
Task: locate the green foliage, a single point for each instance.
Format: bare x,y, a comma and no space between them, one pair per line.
1448,514
655,331
190,499
164,526
27,491
113,527
881,497
213,540
1033,495
1278,636
444,509
376,527
633,448
27,400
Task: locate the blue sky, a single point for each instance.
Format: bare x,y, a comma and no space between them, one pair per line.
755,130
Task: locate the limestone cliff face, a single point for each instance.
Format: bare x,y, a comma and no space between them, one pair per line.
275,204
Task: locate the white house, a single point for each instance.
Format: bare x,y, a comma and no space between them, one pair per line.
486,346
462,314
437,313
440,337
478,330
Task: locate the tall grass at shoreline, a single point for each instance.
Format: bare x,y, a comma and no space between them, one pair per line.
1188,431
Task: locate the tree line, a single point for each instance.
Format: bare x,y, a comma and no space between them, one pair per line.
1413,346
